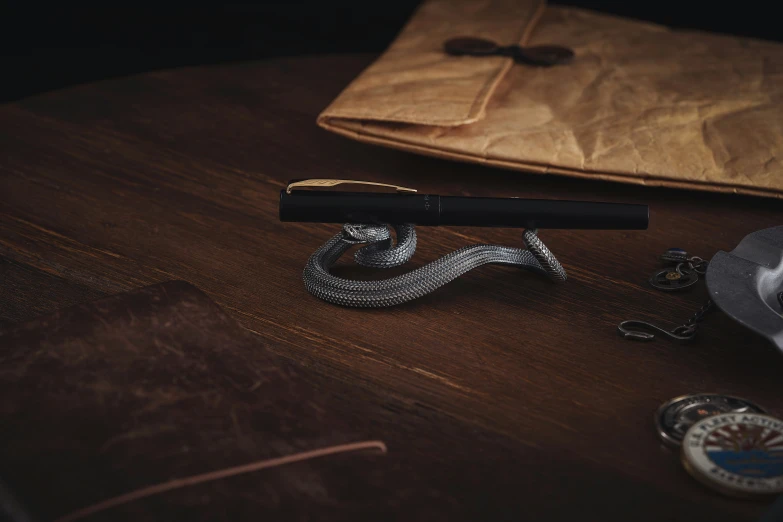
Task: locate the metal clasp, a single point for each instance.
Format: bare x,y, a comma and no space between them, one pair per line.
634,331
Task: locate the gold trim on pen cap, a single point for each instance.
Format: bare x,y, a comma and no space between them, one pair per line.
333,182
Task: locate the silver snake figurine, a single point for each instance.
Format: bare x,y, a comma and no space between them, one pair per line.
381,251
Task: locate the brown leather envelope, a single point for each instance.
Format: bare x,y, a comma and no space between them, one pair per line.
158,383
640,103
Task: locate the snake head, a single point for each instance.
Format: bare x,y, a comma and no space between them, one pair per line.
360,233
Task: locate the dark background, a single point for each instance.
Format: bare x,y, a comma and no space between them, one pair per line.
46,47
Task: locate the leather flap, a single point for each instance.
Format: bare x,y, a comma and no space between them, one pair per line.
414,81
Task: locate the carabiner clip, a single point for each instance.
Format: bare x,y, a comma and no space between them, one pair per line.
633,330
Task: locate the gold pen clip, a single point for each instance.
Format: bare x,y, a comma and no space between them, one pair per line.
333,182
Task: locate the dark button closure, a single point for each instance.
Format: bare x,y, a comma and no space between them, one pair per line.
541,55
471,47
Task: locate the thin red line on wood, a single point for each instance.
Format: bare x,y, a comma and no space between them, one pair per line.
163,487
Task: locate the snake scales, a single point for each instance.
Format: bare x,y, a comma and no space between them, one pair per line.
382,251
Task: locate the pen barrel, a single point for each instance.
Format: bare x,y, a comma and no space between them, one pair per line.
541,213
433,210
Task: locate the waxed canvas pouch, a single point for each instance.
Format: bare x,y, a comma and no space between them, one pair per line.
639,103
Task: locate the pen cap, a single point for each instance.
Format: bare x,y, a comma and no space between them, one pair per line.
358,207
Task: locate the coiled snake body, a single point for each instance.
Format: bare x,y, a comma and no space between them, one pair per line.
383,252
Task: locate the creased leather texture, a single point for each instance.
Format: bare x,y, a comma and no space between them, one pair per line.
158,383
640,103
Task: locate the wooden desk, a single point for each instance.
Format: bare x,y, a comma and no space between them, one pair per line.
176,174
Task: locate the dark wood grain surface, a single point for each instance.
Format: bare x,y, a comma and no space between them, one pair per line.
112,186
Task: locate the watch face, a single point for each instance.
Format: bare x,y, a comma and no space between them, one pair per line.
738,454
675,417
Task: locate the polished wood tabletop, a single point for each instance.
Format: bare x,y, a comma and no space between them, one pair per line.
175,175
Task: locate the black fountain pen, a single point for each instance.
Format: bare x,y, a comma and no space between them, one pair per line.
407,206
